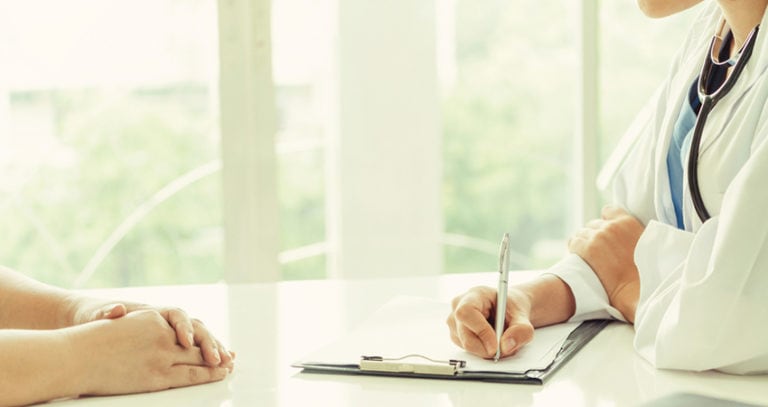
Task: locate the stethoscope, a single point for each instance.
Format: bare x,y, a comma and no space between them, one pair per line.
708,102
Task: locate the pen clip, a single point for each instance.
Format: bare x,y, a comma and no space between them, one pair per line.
504,253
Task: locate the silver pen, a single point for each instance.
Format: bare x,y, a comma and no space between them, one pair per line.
501,295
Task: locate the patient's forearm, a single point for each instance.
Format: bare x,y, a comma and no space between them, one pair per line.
36,366
29,304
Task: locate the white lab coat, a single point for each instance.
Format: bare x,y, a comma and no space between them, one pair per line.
704,291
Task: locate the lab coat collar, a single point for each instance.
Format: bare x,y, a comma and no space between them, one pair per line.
754,68
759,61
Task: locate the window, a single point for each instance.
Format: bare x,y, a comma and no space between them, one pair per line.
302,59
635,56
404,129
508,111
110,141
508,114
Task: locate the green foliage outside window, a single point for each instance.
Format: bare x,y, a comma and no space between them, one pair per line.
507,126
111,153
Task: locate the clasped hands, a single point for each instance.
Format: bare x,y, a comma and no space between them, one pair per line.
607,245
129,347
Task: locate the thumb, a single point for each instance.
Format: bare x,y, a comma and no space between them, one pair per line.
112,311
518,333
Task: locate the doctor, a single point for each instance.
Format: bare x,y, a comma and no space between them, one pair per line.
683,251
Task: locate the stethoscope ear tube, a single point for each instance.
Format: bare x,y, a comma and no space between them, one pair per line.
693,160
708,102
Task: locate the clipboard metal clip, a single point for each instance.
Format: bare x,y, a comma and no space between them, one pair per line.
405,365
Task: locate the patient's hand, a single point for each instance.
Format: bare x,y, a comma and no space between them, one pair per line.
190,332
137,352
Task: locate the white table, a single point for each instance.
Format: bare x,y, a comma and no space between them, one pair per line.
272,325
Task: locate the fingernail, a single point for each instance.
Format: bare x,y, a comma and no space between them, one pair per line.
510,344
191,339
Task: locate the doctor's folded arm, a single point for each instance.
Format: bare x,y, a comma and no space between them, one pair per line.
682,250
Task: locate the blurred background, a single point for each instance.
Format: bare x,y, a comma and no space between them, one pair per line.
410,134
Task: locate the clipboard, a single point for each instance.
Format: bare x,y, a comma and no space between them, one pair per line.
415,322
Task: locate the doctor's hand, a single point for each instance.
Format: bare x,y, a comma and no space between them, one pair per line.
608,246
471,329
190,332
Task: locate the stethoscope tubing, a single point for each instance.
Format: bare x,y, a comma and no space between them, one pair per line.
708,102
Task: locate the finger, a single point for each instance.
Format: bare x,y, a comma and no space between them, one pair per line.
455,302
135,306
611,212
595,224
189,356
186,375
578,241
113,311
224,355
194,357
480,297
456,341
182,324
472,343
585,233
451,322
207,344
518,333
474,331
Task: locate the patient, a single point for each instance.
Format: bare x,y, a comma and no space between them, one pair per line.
55,343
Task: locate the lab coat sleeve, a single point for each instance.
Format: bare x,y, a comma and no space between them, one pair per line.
704,297
632,190
631,180
591,299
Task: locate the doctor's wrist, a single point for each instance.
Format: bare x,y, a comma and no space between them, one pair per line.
624,298
551,299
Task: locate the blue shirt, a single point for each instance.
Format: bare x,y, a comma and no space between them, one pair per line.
678,150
